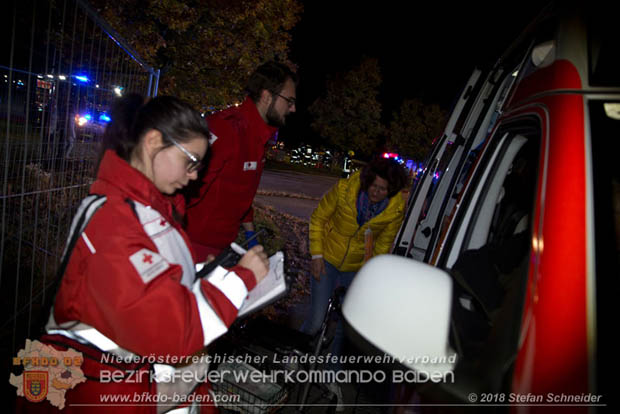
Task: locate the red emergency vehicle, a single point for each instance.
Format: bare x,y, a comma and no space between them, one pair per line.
509,250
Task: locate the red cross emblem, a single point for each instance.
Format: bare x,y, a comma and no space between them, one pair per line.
147,258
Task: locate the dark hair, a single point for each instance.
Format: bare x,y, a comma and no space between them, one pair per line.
132,117
270,76
389,170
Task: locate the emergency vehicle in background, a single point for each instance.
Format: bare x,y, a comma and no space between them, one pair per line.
508,255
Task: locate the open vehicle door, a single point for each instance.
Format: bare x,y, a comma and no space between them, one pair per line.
424,187
453,157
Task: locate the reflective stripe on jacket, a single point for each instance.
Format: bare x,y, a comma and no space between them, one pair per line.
335,234
130,281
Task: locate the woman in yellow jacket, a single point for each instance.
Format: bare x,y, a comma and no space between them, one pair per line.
357,219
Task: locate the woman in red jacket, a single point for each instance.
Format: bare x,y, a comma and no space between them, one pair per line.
129,290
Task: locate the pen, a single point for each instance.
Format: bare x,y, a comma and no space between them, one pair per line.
238,249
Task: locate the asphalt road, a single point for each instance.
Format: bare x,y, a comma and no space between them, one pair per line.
293,183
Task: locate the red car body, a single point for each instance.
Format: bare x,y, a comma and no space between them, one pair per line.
556,93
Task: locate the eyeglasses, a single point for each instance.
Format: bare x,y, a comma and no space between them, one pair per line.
291,101
195,164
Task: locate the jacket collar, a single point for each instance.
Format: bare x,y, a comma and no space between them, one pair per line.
354,186
259,127
117,177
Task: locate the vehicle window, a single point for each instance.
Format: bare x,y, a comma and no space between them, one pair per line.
509,188
605,133
491,271
501,201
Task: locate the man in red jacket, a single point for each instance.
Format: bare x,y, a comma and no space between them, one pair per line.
223,201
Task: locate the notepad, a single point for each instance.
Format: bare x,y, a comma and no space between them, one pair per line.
268,290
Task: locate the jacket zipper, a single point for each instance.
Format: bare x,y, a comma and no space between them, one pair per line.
349,245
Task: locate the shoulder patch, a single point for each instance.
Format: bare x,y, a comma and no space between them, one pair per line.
249,166
148,264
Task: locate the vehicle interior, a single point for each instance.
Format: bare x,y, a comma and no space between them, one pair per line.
490,273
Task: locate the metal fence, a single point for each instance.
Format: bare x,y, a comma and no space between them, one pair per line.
60,67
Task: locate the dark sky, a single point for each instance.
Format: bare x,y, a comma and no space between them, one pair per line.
425,50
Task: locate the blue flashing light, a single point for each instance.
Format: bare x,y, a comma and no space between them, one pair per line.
82,78
104,118
88,117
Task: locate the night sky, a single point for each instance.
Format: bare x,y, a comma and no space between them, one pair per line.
425,50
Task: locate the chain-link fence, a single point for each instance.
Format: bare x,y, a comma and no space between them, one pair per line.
60,67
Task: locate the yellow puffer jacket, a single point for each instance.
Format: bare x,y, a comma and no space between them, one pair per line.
335,234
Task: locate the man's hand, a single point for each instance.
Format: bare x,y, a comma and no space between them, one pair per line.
256,260
318,268
250,231
254,241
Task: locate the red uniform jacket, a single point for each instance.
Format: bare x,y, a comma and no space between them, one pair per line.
228,187
130,278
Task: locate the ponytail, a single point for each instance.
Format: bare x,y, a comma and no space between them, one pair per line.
117,136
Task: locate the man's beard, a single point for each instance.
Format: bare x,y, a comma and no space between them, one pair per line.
274,119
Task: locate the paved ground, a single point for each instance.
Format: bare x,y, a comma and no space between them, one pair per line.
297,207
297,185
295,182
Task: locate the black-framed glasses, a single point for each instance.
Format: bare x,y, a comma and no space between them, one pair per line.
195,163
291,101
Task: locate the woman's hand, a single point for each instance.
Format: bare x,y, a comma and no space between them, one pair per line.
318,268
256,260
